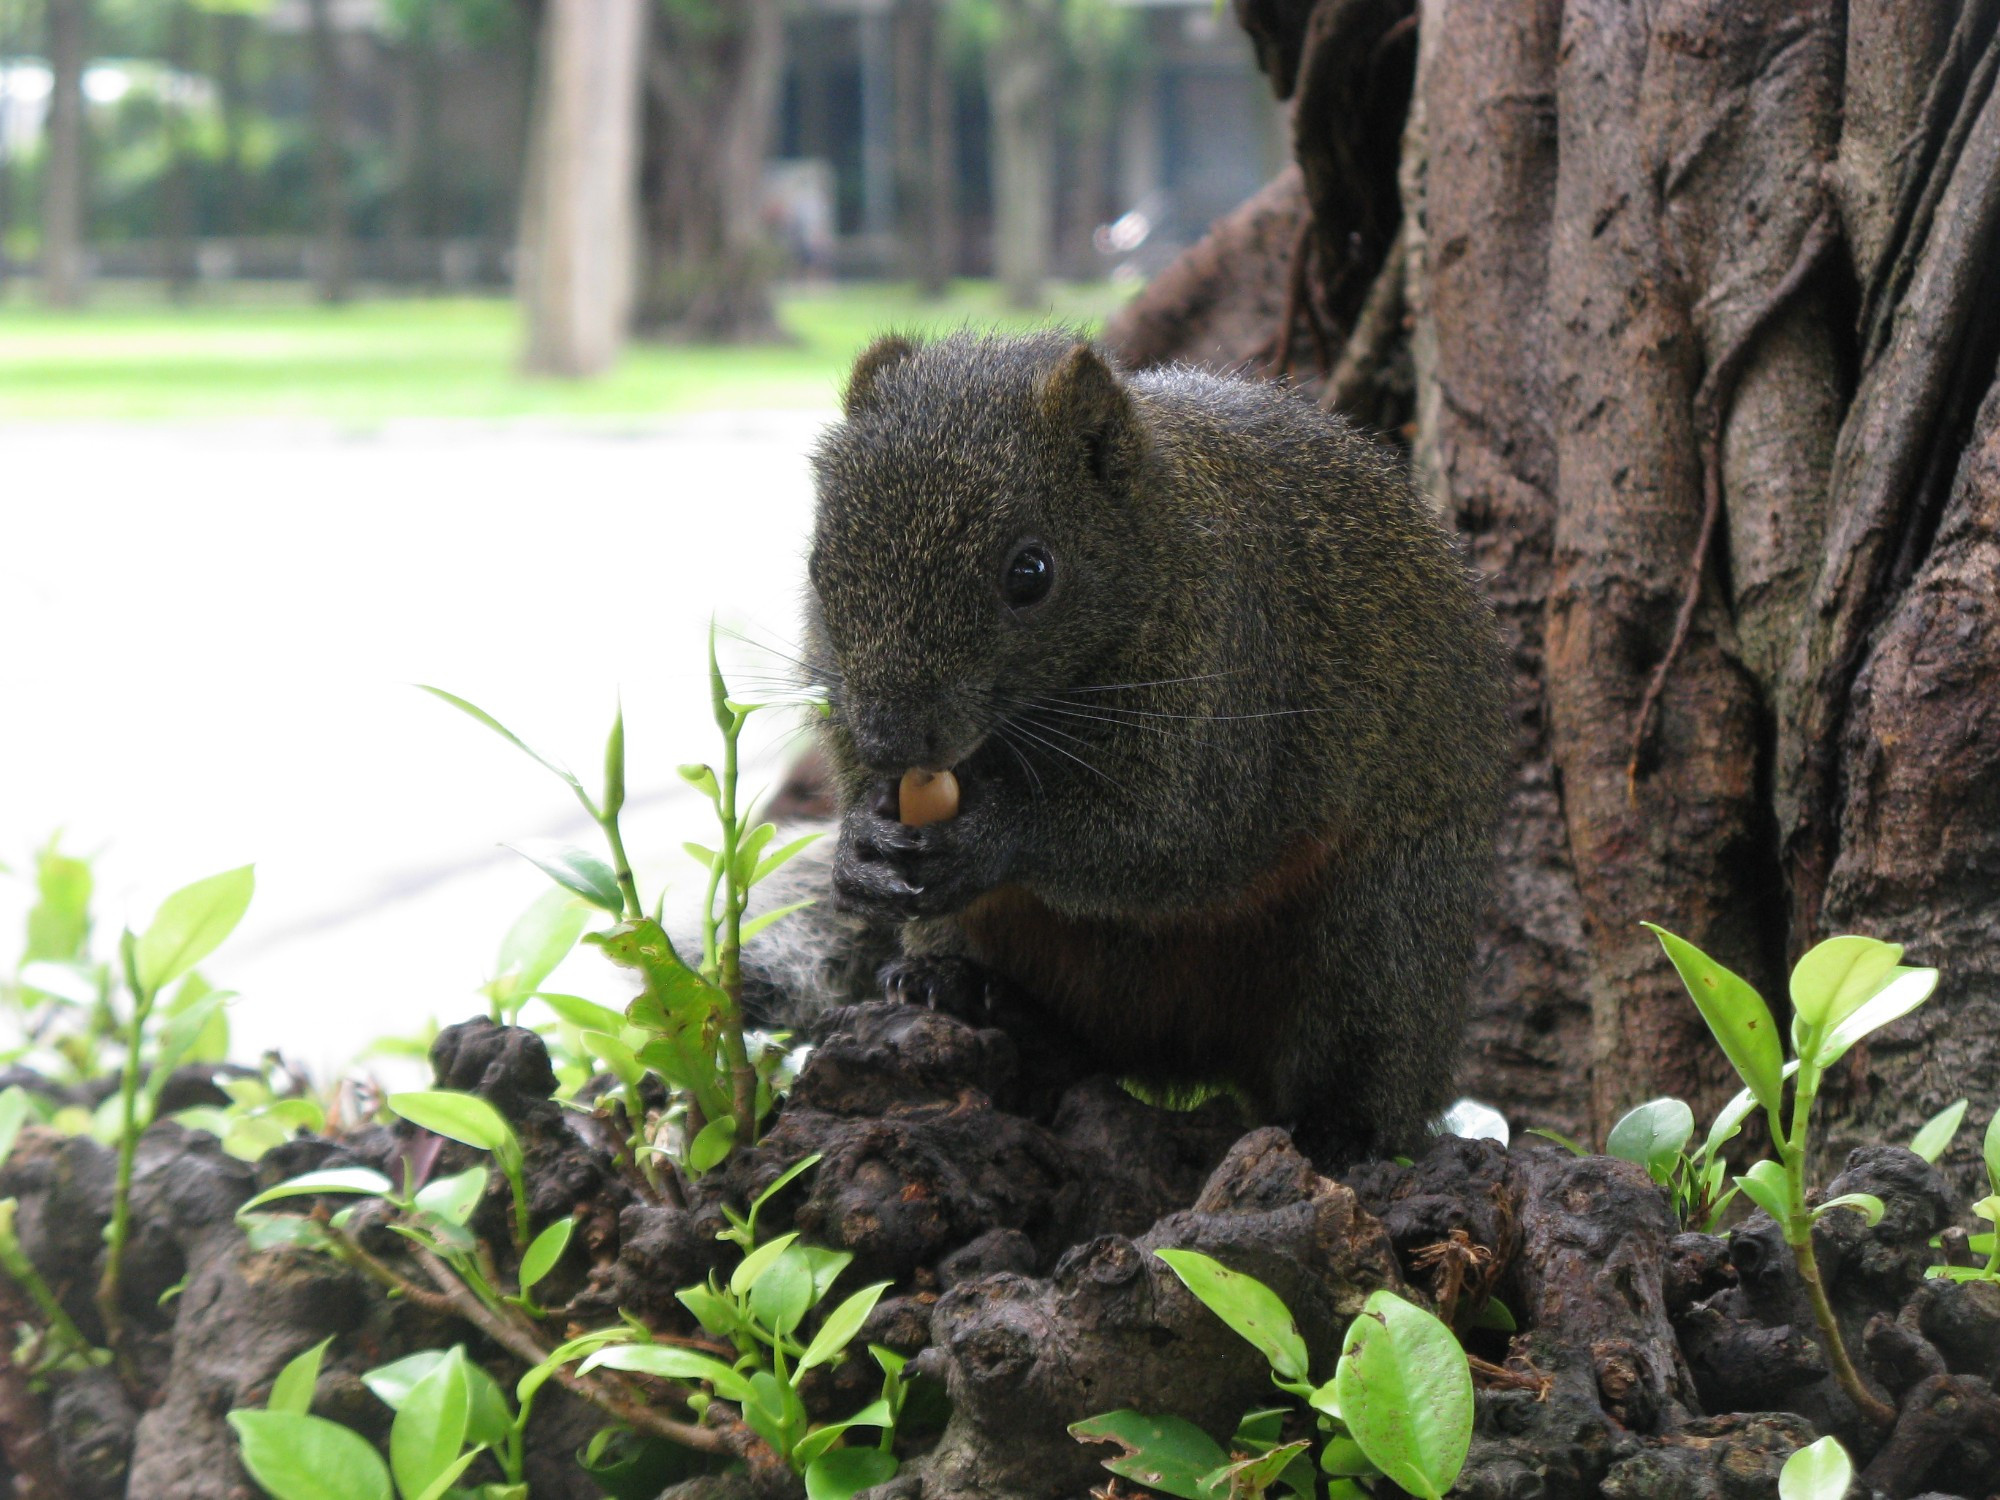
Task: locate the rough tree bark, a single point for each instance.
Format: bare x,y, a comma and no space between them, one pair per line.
712,76
65,180
577,207
1694,306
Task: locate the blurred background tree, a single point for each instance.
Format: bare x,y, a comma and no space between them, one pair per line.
232,149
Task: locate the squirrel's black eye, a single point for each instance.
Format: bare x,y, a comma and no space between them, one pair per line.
1030,574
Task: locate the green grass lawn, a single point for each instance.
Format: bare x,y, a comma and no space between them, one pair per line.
129,357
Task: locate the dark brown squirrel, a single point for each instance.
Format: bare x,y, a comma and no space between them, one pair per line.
1224,707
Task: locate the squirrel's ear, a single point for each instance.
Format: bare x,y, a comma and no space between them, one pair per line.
889,350
1084,394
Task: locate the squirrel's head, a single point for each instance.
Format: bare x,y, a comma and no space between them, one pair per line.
975,538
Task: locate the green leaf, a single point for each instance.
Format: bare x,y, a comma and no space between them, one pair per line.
758,923
1833,980
430,1426
610,1050
1908,989
59,921
1572,1147
711,1144
782,1292
715,1313
1764,1185
1990,1150
820,1439
757,1261
1343,1458
670,1362
1869,1205
292,1391
280,1232
540,938
701,854
1255,1311
614,766
1653,1136
1406,1394
1735,1013
439,1487
783,1180
298,1457
453,1198
576,870
1252,1476
1728,1122
702,779
585,1015
465,1118
840,1327
547,1248
1496,1315
1819,1471
846,1472
515,740
1930,1143
190,925
393,1382
1168,1454
826,1267
329,1180
779,858
15,1109
749,847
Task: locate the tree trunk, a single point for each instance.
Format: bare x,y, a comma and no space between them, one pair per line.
926,147
177,217
230,30
1698,300
413,214
712,78
65,182
1020,88
332,253
575,279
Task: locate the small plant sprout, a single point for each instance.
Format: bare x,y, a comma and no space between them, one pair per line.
1936,1137
686,1026
190,925
1843,990
760,1311
1398,1408
1987,1208
1818,1471
448,1412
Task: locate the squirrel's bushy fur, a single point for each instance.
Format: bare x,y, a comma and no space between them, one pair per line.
1226,791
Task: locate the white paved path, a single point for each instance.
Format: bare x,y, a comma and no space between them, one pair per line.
207,641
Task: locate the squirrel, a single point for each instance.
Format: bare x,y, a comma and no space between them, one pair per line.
1223,705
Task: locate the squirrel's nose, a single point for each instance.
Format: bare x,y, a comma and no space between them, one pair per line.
890,741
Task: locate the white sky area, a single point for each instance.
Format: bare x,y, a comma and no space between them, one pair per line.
207,644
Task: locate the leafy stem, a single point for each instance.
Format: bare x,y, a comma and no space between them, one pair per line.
1798,1226
119,1230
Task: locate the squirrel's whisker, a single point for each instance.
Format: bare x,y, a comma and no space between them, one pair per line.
1021,725
1044,706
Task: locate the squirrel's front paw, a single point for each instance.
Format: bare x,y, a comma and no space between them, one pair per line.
886,869
955,986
